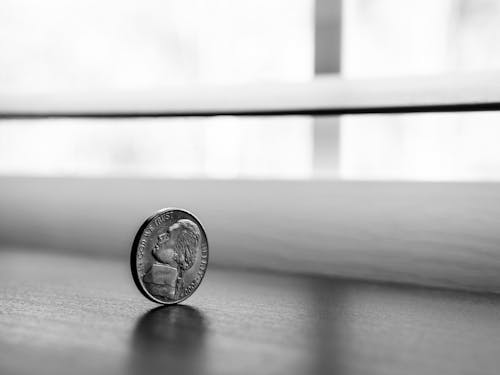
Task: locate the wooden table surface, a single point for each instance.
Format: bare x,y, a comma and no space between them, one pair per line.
63,314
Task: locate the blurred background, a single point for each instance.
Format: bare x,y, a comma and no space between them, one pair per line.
79,46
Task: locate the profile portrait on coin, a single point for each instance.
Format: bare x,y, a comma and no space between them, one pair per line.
174,253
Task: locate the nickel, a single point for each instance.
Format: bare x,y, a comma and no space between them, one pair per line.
169,256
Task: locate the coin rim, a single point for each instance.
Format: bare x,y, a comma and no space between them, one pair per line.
133,256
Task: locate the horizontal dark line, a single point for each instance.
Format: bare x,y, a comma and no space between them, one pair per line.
469,107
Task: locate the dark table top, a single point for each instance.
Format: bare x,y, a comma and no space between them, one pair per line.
70,314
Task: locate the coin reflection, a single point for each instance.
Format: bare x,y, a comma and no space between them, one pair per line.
169,338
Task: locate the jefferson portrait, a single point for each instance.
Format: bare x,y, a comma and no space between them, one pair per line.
174,253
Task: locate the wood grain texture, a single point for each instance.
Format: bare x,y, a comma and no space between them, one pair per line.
443,234
325,95
63,314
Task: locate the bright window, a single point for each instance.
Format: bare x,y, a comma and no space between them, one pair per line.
57,45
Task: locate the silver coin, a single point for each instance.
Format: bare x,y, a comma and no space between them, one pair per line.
169,256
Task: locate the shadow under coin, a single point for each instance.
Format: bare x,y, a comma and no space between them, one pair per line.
167,339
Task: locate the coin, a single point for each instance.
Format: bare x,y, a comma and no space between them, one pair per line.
169,256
